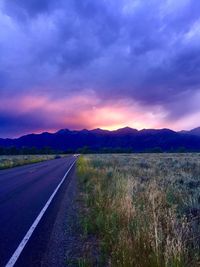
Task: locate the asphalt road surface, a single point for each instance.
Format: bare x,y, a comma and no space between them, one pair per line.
23,193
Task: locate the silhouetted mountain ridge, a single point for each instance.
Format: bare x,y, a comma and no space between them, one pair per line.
97,139
195,131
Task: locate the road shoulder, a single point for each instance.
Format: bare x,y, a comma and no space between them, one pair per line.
65,240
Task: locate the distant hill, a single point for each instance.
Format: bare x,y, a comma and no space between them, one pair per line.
98,140
195,131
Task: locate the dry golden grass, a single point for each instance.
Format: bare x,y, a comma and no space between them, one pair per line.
143,208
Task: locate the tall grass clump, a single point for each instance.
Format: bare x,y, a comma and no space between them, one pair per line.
144,209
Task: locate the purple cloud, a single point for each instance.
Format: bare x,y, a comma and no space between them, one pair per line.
145,52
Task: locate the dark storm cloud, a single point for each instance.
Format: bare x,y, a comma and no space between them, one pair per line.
20,9
144,51
13,125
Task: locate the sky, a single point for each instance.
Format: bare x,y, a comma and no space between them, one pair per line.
99,64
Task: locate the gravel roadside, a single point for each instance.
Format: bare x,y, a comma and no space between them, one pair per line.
66,245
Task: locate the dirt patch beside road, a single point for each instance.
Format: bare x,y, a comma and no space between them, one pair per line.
67,245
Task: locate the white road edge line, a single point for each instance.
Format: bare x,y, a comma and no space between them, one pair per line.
26,238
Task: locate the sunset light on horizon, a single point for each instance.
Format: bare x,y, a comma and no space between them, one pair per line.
98,64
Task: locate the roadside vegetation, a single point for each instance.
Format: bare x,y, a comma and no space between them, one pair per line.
19,160
144,209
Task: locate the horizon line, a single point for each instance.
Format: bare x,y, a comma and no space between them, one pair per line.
93,129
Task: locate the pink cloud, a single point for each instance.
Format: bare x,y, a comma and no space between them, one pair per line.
85,110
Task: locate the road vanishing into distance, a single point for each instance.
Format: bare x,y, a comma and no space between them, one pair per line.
24,191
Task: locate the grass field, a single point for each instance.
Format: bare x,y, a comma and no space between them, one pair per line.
144,209
19,160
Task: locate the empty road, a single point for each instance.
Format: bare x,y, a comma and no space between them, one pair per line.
23,193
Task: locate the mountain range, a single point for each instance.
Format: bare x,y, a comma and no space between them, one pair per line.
97,139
